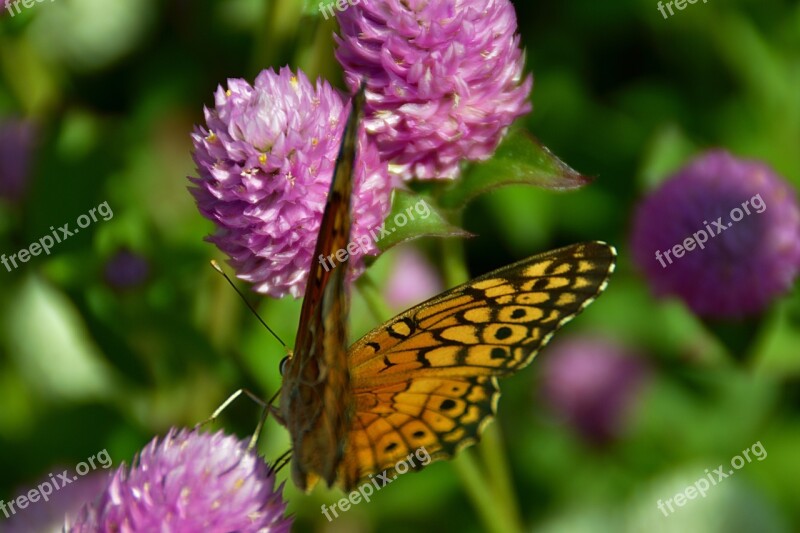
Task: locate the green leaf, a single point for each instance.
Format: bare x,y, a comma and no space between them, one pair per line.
412,217
519,159
48,341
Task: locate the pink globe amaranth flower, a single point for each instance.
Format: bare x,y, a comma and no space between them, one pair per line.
189,482
265,161
126,270
17,142
444,79
56,503
593,384
743,265
413,279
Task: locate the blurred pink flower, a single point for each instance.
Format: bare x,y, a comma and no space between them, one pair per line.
593,384
729,275
413,279
17,140
62,506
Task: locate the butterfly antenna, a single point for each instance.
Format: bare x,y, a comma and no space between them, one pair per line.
246,302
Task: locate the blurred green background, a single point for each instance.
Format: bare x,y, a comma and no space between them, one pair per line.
124,330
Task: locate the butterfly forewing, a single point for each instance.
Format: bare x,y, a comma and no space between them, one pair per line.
316,385
427,378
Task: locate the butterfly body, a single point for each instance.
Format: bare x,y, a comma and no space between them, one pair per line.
316,381
426,379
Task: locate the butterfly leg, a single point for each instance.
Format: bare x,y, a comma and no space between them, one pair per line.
266,407
265,410
281,461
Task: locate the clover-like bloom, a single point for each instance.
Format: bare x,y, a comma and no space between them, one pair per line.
265,160
593,384
722,234
126,270
51,509
17,140
413,279
187,482
444,79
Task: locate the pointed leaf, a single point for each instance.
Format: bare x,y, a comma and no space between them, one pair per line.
411,217
519,159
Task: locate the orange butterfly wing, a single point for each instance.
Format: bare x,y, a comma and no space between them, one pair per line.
427,378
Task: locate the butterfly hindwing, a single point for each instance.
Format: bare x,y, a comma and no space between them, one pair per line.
427,377
439,415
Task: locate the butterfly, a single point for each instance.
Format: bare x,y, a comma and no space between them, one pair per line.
428,377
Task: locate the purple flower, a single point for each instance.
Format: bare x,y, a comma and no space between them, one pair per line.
188,482
593,384
723,234
17,139
412,280
61,505
126,270
266,160
444,79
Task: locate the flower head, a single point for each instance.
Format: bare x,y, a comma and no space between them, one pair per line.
444,79
723,234
593,384
186,482
126,270
50,511
413,279
265,161
17,138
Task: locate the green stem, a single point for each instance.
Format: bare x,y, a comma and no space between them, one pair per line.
276,33
481,495
491,491
493,453
372,295
454,266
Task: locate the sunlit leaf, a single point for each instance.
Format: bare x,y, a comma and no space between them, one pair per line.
519,159
412,217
